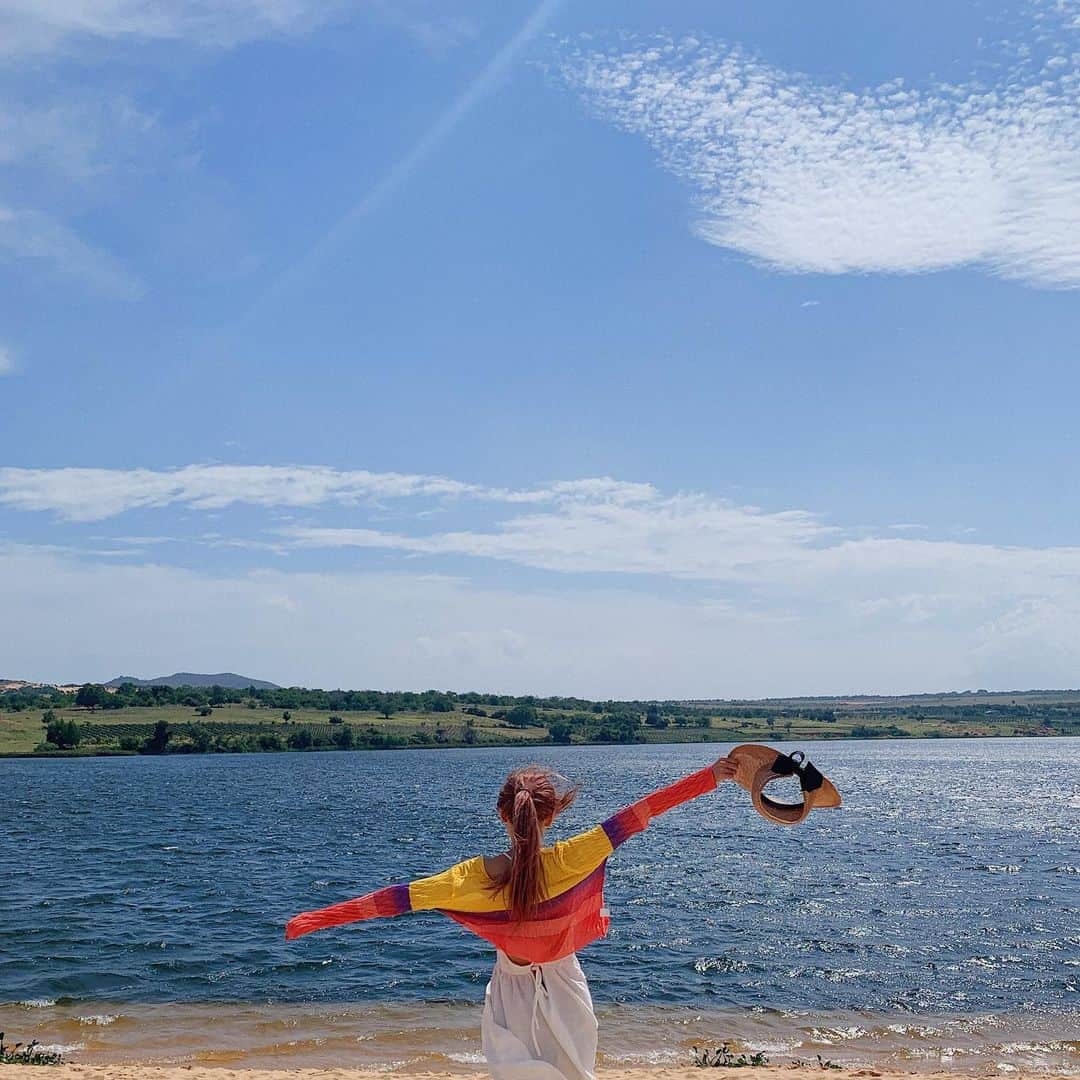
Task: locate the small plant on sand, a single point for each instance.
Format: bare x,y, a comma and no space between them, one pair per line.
724,1058
30,1054
822,1063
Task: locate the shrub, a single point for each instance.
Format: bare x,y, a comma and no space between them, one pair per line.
201,738
31,1054
865,731
722,1057
159,739
560,732
301,739
63,734
521,716
91,696
655,718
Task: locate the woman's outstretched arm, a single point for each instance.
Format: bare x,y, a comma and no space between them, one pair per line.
382,903
634,818
585,852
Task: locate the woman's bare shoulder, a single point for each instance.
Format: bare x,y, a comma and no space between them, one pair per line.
496,866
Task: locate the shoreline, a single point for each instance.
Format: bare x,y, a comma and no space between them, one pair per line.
444,1038
539,744
210,1072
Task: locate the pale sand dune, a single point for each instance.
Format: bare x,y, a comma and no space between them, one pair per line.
201,1072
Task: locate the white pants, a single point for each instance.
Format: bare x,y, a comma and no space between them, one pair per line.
538,1021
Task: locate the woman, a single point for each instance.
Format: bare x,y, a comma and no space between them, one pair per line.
537,905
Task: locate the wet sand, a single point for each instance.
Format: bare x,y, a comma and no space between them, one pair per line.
440,1038
192,1072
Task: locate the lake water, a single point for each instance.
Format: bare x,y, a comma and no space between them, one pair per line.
936,917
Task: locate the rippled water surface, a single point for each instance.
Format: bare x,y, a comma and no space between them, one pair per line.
947,886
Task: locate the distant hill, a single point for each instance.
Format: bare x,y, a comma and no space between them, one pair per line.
230,680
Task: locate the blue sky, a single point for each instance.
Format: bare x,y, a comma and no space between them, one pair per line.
622,349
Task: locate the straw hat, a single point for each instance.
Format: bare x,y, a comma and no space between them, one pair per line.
758,766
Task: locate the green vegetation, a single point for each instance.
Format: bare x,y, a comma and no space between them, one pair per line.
199,720
30,1053
723,1057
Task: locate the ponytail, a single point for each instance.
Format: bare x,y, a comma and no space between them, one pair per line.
528,803
524,887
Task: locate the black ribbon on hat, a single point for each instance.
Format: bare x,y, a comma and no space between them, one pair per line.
795,764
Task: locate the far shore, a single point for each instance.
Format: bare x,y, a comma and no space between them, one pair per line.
704,739
102,721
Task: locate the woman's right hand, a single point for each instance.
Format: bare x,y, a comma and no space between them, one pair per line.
724,769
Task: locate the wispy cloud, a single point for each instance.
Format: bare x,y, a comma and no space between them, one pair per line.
96,494
7,360
67,151
40,239
33,27
435,28
682,536
37,26
591,526
78,136
810,177
58,142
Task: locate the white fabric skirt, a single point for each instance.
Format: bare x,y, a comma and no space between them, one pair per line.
538,1021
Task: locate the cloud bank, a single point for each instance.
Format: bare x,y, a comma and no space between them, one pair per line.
809,177
85,621
606,587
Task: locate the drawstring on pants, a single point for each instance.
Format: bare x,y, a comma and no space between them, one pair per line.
539,988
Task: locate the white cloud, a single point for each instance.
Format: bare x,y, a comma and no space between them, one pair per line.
779,599
96,494
7,361
435,29
600,525
83,620
78,136
773,564
66,152
36,26
40,239
808,177
683,536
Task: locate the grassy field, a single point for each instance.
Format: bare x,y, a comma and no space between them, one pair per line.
954,716
21,732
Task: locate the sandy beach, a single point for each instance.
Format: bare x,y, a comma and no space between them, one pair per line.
191,1072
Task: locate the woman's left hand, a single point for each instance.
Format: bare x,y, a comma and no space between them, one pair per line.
724,769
